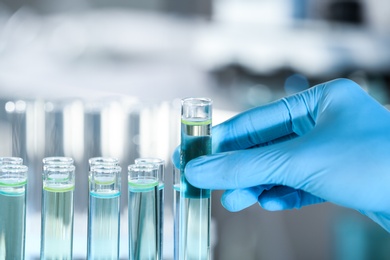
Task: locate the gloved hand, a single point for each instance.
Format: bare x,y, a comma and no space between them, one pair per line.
328,143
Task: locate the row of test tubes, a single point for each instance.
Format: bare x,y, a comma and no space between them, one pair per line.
145,208
192,206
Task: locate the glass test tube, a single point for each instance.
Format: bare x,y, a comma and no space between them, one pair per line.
103,212
143,211
13,180
176,211
108,161
11,160
57,209
57,160
160,205
195,204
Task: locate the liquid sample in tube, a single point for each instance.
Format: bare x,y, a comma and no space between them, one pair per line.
57,223
176,211
195,204
143,212
161,169
103,212
13,180
57,212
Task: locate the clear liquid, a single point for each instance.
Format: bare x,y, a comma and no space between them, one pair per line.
194,236
176,217
195,204
103,225
57,224
143,223
12,222
160,220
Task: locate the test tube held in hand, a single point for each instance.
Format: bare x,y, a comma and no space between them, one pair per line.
195,204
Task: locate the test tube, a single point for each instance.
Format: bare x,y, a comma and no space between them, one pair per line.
57,209
143,211
11,160
195,204
13,180
107,161
103,212
58,160
160,205
176,211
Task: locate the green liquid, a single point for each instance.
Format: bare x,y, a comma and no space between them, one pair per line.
12,222
143,223
195,142
103,225
57,223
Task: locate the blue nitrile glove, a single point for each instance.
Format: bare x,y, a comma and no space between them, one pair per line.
328,143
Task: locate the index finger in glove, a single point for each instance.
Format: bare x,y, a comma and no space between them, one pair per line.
282,119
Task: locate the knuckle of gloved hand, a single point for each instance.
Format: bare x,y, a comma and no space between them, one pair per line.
340,89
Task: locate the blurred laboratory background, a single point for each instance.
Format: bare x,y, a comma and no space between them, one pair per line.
86,78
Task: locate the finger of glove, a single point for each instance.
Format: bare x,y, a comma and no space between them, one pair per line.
283,197
239,199
251,128
176,157
240,169
292,115
293,163
305,107
176,153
